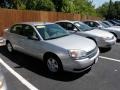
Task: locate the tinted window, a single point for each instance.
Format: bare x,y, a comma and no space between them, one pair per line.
94,24
104,25
82,26
70,26
62,24
17,29
29,31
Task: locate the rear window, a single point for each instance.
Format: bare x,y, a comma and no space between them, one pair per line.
17,29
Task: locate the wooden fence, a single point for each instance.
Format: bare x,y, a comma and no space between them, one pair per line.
11,16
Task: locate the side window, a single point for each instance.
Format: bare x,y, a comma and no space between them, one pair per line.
70,26
91,24
87,23
17,29
62,24
96,24
29,32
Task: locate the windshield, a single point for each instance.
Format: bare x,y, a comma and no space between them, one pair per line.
83,26
108,23
51,31
104,25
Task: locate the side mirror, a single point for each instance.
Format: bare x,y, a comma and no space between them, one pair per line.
33,38
75,29
100,27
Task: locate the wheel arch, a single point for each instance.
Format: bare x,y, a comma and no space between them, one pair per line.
47,54
92,39
114,34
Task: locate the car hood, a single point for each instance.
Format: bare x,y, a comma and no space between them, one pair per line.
116,27
74,42
99,33
113,28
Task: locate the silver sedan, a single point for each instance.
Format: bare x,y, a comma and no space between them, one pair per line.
49,42
99,24
102,38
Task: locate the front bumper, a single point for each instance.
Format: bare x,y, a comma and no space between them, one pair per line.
2,42
81,65
107,43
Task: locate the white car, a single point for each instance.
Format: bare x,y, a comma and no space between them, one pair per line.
102,38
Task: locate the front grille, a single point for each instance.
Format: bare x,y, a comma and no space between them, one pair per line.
92,53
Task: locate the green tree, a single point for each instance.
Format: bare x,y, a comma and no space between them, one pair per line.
110,10
117,9
46,5
58,5
31,4
84,7
103,10
67,6
19,4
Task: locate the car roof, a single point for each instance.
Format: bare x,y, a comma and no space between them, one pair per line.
35,23
70,21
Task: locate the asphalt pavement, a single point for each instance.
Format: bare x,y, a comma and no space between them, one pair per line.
31,74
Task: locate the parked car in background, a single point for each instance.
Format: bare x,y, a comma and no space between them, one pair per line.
114,22
102,38
110,24
99,24
49,42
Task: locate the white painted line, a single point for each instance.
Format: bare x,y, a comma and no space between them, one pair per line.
109,58
18,76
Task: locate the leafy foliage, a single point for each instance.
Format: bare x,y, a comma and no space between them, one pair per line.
72,6
67,6
110,10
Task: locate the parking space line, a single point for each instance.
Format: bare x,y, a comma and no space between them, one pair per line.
18,76
112,59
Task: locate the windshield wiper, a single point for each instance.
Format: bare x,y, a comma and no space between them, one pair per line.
57,37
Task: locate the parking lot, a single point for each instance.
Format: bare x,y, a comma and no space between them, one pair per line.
23,72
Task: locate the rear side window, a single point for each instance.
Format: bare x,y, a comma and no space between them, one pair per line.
17,29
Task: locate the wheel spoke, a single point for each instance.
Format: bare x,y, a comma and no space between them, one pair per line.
52,65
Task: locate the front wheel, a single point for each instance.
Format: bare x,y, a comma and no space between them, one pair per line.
9,47
53,64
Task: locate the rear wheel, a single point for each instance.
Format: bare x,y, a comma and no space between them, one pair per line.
9,47
53,64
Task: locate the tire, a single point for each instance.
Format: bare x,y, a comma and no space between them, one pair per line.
9,47
53,64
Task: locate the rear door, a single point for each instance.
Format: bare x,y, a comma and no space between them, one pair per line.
16,37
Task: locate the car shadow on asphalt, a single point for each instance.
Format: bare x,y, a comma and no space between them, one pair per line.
37,66
104,50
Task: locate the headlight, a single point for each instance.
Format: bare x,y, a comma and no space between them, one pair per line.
77,54
1,84
108,38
